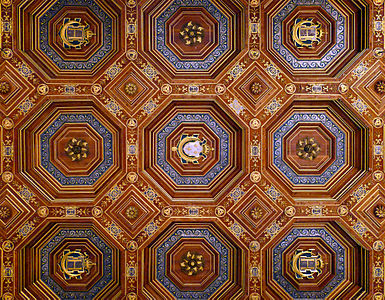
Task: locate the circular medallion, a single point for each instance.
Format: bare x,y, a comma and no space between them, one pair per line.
8,123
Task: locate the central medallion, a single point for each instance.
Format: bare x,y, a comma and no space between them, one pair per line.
379,211
5,87
74,33
77,149
306,264
192,263
308,148
192,33
306,33
191,149
74,264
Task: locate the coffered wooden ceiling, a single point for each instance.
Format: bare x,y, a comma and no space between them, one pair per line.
192,149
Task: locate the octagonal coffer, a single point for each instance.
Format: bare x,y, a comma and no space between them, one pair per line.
71,147
70,261
317,151
320,37
192,39
191,260
193,150
67,38
314,260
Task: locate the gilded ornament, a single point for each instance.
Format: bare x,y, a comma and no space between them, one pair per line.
97,211
6,53
130,88
254,246
42,89
378,2
378,122
132,212
192,34
77,149
132,177
255,176
5,87
166,89
256,88
7,176
75,34
378,176
7,246
132,246
220,89
220,211
96,89
7,123
167,211
343,210
255,123
256,213
254,3
378,52
305,264
5,212
132,123
343,88
43,211
132,296
306,33
192,263
6,3
308,148
255,296
290,211
254,54
131,3
132,54
378,296
378,245
191,149
380,87
290,88
75,264
379,211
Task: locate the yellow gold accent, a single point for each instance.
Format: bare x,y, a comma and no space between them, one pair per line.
192,149
308,148
74,34
192,34
74,264
77,149
305,264
306,32
192,263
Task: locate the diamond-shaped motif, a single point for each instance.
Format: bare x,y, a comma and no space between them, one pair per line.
13,211
132,212
371,211
369,87
255,210
13,88
131,88
256,87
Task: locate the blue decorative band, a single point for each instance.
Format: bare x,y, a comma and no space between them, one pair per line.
329,56
162,149
223,35
161,267
72,235
45,35
309,233
76,119
279,148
